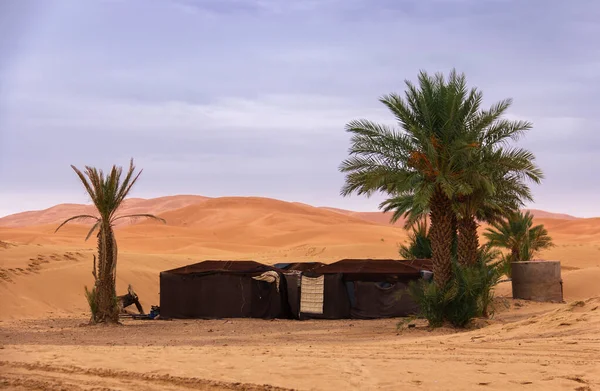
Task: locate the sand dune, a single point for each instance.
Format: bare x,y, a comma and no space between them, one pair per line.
42,275
58,213
383,218
48,270
542,214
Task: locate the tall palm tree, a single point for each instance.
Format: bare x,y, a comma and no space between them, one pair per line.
496,176
107,194
520,236
422,164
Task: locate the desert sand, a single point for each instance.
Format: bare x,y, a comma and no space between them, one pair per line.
42,274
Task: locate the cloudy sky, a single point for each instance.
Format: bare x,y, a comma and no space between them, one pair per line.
250,97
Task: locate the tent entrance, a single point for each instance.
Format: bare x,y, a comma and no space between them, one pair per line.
312,295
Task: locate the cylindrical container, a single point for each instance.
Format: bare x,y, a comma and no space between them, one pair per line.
537,281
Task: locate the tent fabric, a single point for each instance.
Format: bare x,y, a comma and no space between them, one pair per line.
336,303
410,268
293,293
311,296
270,276
366,288
300,266
210,266
221,289
372,300
350,288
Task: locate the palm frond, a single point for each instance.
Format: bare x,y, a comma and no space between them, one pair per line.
86,184
94,227
137,216
127,183
78,217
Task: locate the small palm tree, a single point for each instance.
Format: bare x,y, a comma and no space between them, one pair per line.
520,236
419,243
107,194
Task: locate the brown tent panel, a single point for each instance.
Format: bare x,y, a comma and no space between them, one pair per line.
222,289
366,288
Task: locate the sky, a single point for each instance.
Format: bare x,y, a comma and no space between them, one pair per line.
250,97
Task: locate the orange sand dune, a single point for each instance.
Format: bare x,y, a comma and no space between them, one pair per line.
541,214
42,275
383,218
59,213
251,210
47,270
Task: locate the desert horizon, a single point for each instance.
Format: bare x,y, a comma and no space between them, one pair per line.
198,195
43,274
231,228
171,200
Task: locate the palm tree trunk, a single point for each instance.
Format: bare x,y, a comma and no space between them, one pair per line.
515,256
468,241
106,302
441,237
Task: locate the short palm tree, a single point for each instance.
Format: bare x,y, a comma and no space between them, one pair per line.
422,164
107,194
419,242
520,236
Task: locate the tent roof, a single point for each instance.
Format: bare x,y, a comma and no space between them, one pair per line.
299,266
222,266
377,266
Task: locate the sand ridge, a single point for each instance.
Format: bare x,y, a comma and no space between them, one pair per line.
42,275
58,213
37,264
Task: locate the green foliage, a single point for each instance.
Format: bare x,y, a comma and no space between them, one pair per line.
107,193
518,234
419,242
445,143
490,266
468,295
463,296
432,301
90,295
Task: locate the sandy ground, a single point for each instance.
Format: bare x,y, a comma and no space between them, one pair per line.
529,346
42,345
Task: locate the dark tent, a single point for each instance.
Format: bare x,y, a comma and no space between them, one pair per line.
223,289
359,288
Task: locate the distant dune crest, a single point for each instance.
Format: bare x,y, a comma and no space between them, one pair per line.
50,269
191,210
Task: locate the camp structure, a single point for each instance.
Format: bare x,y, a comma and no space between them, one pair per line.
223,289
354,288
350,288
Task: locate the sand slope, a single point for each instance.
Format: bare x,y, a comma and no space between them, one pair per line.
42,275
527,346
42,271
59,213
542,214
